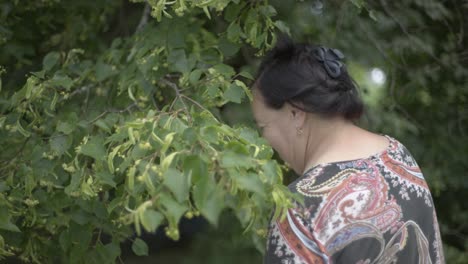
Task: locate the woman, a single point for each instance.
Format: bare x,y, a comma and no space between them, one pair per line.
365,198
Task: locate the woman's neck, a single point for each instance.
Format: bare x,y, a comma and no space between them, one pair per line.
339,140
324,139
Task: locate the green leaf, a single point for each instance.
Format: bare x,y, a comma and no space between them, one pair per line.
173,209
139,247
107,253
232,11
234,32
94,148
231,159
178,61
3,187
176,36
65,127
151,219
271,171
194,76
203,189
100,211
105,177
197,168
61,81
39,74
103,71
210,134
103,125
250,182
75,181
358,3
208,199
372,15
246,74
80,217
207,12
224,69
60,143
50,60
268,10
178,183
5,221
211,205
234,93
64,240
282,27
227,47
68,123
79,237
114,204
2,121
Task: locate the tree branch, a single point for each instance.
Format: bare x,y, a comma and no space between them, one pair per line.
403,28
114,111
178,96
75,92
144,17
195,102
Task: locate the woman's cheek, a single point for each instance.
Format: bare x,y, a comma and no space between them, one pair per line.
274,138
266,135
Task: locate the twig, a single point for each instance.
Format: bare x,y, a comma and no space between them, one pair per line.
144,17
403,28
395,104
392,85
402,110
195,102
339,21
462,28
114,111
178,96
75,92
378,47
86,101
457,234
154,101
173,103
460,124
18,154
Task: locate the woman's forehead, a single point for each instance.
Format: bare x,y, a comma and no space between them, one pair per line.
262,113
258,107
258,102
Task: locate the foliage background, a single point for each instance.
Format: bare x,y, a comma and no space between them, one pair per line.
119,117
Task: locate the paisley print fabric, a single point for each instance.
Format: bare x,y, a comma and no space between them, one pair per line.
373,210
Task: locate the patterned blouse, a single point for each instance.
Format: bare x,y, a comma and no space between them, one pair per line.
373,210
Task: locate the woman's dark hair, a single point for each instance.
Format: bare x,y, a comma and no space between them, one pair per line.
311,78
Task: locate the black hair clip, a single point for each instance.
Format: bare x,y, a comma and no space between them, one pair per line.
330,59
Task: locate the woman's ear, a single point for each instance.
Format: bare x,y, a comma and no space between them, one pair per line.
297,115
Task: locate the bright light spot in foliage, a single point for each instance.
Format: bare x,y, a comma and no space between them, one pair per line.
316,7
378,76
